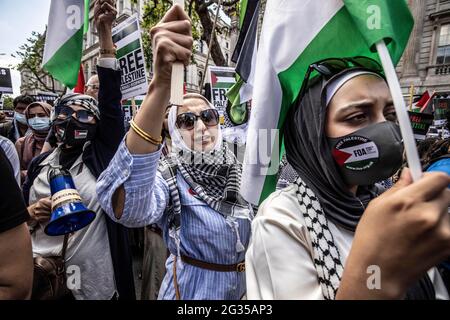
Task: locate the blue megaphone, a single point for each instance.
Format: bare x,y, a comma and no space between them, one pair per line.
441,164
69,214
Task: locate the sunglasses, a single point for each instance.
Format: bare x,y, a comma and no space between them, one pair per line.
186,121
333,66
82,115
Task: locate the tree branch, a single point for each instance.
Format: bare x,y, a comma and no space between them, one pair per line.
37,76
191,3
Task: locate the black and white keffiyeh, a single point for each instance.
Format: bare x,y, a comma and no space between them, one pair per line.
326,257
82,100
214,177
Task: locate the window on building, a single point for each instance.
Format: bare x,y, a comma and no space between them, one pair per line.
443,50
226,58
226,44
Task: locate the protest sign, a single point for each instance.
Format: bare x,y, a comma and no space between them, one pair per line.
420,123
130,110
5,81
222,79
441,107
127,38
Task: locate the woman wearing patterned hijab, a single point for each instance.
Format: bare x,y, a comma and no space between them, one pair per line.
88,134
192,194
331,235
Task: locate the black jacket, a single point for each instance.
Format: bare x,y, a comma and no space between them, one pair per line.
96,156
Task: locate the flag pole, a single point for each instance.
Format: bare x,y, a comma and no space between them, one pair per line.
399,103
411,93
210,44
133,108
176,84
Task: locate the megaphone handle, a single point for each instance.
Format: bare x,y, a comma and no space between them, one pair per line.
64,247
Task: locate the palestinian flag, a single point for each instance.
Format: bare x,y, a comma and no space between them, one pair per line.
294,35
245,57
421,101
67,22
222,78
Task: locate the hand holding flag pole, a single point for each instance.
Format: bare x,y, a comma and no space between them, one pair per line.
400,108
176,85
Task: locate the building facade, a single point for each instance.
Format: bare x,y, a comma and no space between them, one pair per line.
425,64
44,89
193,73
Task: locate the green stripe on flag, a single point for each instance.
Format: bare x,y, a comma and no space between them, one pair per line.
233,93
86,16
64,65
242,12
128,48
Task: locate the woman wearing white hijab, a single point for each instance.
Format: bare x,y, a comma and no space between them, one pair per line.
192,194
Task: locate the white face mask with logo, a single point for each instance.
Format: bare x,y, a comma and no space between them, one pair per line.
370,154
39,123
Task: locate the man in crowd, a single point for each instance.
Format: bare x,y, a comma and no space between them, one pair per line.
91,88
18,127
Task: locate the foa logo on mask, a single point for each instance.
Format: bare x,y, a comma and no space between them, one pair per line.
356,153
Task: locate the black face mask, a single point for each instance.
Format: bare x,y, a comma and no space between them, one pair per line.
71,132
368,155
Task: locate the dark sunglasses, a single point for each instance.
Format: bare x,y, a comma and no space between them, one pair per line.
83,116
333,66
186,121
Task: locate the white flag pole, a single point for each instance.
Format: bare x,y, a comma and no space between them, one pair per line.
400,108
176,85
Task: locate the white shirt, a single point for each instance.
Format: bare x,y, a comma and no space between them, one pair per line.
278,260
88,249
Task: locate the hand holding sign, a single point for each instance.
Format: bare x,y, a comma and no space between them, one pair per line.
172,43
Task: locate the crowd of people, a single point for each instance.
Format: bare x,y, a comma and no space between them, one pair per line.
173,174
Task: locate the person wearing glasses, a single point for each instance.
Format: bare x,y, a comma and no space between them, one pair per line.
192,193
91,89
333,233
92,86
88,134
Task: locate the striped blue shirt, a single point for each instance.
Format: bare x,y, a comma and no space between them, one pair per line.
205,234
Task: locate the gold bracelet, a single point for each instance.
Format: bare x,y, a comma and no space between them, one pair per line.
148,136
144,135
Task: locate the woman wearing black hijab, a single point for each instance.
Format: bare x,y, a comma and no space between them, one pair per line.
326,236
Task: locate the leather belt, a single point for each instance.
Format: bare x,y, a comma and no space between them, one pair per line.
238,267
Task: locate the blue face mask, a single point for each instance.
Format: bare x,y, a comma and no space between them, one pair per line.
39,123
20,118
